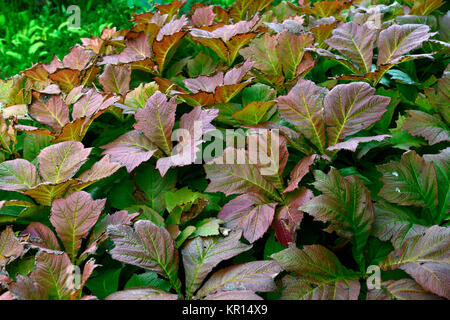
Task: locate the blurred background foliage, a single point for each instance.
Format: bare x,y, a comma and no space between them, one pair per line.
32,31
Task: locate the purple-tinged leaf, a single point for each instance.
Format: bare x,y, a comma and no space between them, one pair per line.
204,83
403,289
292,54
350,108
78,58
91,103
203,16
319,275
293,25
115,219
130,149
156,120
395,223
42,236
100,170
352,144
171,28
73,217
235,75
268,151
299,171
116,79
289,216
74,95
355,42
147,246
264,52
397,40
59,162
426,258
193,126
149,293
431,127
303,108
234,295
26,289
18,175
233,177
250,213
226,32
256,276
53,65
53,112
136,49
99,232
348,64
10,247
55,273
201,255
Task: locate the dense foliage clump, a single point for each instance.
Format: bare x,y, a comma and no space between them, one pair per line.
129,169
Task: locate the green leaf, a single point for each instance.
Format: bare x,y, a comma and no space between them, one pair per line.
105,283
180,197
386,119
33,144
147,279
184,235
207,227
202,64
441,166
401,139
255,112
377,251
147,213
121,195
272,246
149,180
318,275
346,202
400,76
258,92
410,181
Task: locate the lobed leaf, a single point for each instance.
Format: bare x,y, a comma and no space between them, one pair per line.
147,246
73,217
411,181
426,258
18,175
319,275
59,162
346,202
251,213
255,276
201,255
